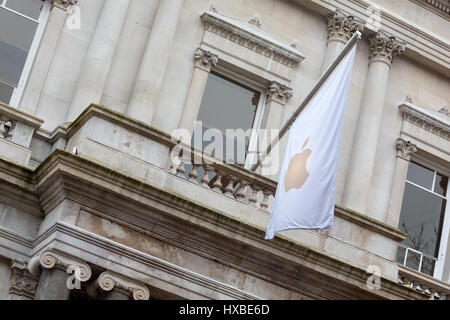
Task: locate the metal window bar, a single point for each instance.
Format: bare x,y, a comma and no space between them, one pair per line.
422,255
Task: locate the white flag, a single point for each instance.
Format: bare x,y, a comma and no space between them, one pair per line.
307,184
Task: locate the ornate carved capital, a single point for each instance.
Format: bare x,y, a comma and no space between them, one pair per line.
405,149
341,27
22,283
205,59
63,4
109,280
50,259
279,92
384,47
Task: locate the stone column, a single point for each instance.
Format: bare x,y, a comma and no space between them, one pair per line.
119,287
22,283
99,57
204,61
154,62
405,150
340,29
60,273
383,48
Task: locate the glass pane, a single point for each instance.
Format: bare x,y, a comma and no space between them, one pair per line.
5,93
30,8
227,105
420,175
428,266
440,185
413,260
16,36
421,218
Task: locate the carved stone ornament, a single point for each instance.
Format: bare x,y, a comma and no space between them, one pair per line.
205,58
6,127
22,283
256,21
445,111
405,149
278,91
108,280
63,4
50,259
384,47
341,27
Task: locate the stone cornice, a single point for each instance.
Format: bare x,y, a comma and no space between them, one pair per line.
257,41
341,27
440,7
425,119
20,116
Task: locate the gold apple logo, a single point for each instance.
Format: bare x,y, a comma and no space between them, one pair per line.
296,174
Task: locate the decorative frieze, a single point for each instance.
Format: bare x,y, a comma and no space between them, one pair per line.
50,259
278,91
108,280
205,58
341,27
405,149
384,47
425,120
22,283
255,39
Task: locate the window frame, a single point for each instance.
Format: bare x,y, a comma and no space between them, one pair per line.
260,109
443,241
41,25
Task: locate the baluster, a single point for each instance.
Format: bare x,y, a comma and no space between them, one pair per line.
240,194
181,170
193,175
253,200
265,202
229,189
217,182
205,179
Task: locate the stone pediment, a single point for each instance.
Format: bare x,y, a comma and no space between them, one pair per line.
252,36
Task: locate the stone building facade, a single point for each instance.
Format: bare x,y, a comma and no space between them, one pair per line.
93,205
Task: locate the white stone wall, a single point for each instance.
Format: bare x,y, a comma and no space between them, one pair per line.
4,279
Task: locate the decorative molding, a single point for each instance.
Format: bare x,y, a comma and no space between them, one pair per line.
63,4
433,288
341,27
6,127
279,92
440,7
22,282
256,21
384,47
244,34
425,119
108,280
405,149
445,111
50,259
205,58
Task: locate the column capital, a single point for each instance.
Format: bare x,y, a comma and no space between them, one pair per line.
384,47
109,280
50,259
405,149
341,27
278,92
22,282
205,59
63,4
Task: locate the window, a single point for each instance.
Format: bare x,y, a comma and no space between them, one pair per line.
21,24
231,106
423,218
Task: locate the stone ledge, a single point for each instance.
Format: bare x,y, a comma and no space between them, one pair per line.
18,115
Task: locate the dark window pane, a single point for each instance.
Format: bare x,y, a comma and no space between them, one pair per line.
5,93
413,260
16,36
30,8
428,266
421,218
420,175
440,185
400,255
226,105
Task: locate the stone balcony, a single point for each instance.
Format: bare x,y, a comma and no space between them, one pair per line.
103,145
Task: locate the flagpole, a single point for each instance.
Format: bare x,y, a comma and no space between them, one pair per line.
356,36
